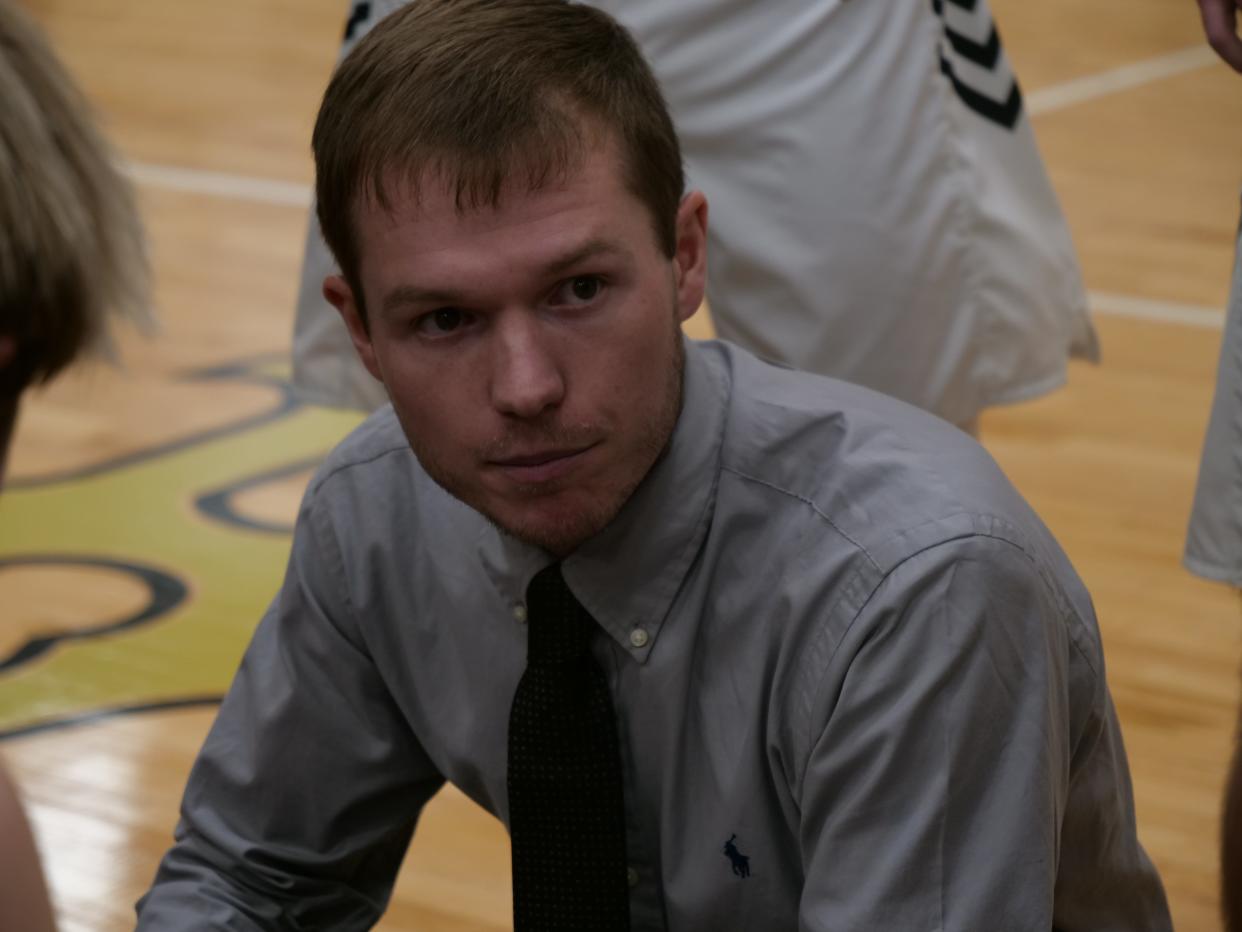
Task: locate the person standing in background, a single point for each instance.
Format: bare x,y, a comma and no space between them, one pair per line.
1214,539
880,210
71,254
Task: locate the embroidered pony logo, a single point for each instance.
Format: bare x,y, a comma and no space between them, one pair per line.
741,863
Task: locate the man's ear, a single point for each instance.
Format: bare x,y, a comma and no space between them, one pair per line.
341,297
690,257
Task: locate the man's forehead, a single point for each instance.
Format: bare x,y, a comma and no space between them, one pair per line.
439,189
534,222
423,246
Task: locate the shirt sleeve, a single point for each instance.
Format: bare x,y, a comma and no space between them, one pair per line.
303,799
968,742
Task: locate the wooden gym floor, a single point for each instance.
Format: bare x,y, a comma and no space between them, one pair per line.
147,520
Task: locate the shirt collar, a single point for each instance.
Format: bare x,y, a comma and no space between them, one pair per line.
628,574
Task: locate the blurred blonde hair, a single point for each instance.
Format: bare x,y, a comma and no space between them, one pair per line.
72,251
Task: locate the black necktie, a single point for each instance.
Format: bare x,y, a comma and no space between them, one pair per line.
566,808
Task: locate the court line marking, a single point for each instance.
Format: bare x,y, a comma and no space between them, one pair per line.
1044,100
292,195
220,184
1136,74
1166,312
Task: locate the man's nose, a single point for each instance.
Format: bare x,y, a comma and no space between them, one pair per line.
526,373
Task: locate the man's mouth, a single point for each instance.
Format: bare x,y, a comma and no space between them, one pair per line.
540,466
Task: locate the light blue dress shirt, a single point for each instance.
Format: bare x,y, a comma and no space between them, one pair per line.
839,644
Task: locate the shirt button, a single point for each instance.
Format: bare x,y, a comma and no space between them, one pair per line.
519,613
639,637
631,876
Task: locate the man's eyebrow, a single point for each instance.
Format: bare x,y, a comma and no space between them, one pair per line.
591,249
407,295
411,295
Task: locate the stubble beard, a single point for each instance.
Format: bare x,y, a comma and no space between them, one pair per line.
562,533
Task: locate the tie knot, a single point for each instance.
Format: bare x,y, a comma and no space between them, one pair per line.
559,628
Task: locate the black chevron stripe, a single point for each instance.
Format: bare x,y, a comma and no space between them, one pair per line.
1004,114
357,16
985,55
968,5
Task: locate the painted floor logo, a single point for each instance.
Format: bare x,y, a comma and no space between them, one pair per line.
172,551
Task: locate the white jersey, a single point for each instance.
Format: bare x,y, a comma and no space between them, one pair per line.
1214,541
878,208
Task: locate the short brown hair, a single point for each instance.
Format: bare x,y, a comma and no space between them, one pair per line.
479,92
71,245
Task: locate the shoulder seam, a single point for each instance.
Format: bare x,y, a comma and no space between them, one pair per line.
810,504
1070,618
320,480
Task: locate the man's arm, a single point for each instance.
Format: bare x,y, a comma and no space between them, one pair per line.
302,801
1231,840
967,747
24,901
1220,23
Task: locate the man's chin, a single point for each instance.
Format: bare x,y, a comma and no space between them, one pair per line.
559,532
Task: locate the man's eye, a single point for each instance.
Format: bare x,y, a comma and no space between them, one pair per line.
441,321
582,289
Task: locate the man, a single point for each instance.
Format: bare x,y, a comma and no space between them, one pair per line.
1214,540
71,254
724,645
880,211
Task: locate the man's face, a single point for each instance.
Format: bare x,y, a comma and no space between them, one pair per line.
532,351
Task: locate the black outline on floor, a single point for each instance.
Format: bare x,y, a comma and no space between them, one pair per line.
97,715
165,593
246,371
218,503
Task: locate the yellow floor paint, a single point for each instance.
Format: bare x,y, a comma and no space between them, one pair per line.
143,512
